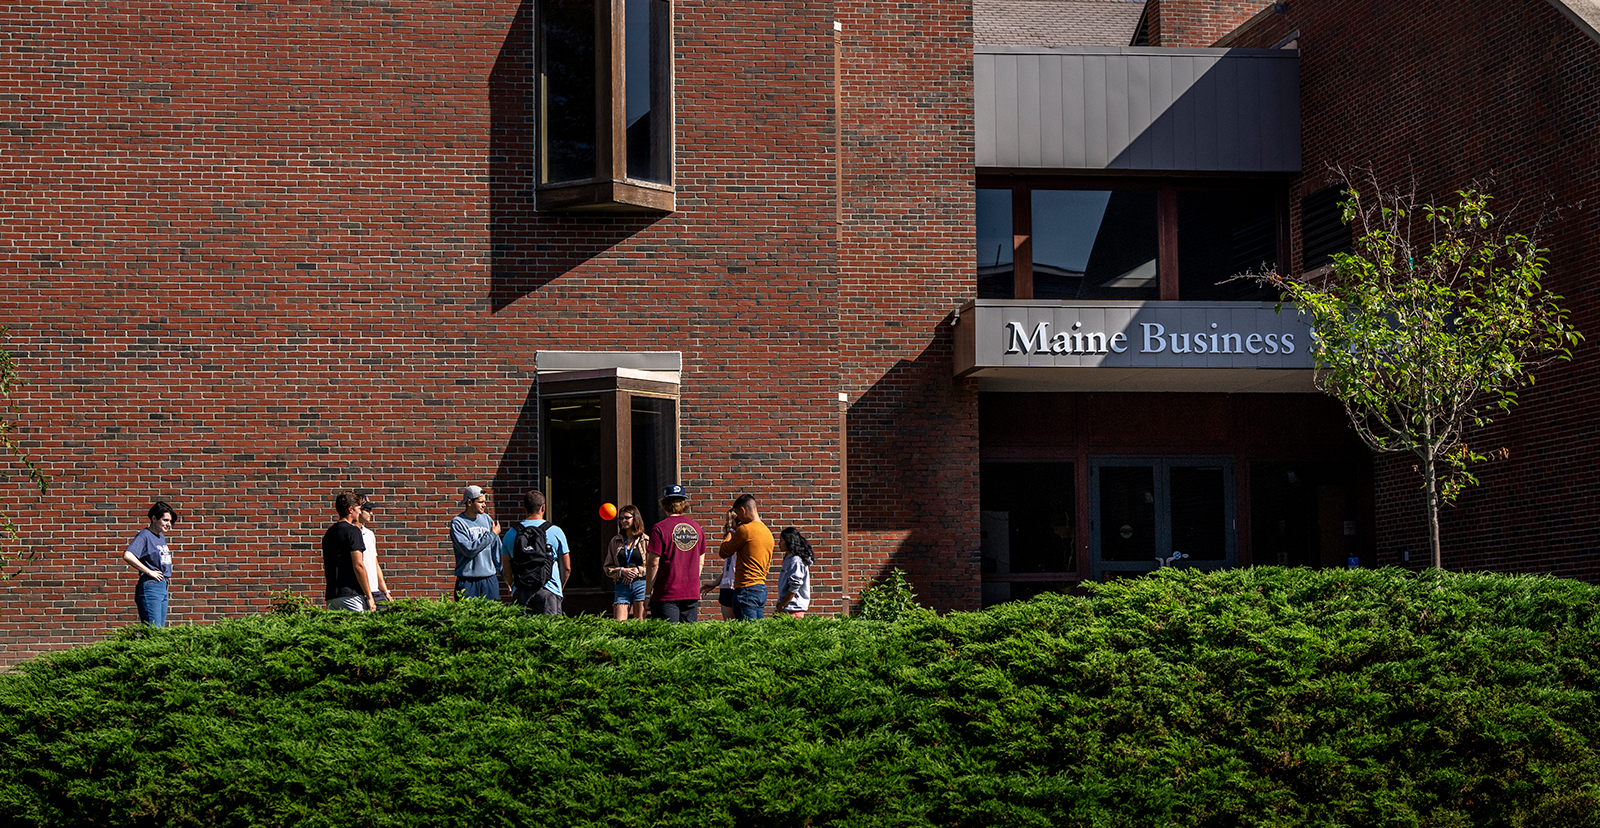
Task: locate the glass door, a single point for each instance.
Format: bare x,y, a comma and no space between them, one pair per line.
1143,509
601,443
572,481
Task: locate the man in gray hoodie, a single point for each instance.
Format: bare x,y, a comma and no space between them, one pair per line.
476,538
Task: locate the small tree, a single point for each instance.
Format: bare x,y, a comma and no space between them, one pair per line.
1425,331
9,380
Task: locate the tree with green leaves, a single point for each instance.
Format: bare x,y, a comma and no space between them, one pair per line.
14,457
1429,329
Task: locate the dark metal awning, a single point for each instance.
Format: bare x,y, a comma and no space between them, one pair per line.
1137,108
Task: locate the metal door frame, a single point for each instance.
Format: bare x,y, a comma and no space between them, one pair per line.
1161,472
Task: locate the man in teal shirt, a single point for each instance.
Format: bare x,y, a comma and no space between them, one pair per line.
544,599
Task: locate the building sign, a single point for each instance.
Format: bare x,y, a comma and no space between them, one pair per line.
994,334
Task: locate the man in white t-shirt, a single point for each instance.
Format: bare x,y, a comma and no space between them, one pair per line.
375,582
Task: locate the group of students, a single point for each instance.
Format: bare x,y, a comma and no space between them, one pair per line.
659,568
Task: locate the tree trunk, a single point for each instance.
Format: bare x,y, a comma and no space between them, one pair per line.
1430,471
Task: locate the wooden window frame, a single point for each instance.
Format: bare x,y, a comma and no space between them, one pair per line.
1166,189
611,189
616,419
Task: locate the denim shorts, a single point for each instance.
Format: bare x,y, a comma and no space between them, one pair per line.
725,597
622,593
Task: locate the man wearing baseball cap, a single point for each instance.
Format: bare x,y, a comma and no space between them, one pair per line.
672,561
476,539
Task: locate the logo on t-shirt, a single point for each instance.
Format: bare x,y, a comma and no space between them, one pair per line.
685,537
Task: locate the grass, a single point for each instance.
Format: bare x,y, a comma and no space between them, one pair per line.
1262,697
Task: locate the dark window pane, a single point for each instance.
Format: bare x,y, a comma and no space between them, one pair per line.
648,53
567,52
1035,503
1199,512
572,481
1299,513
1222,234
1322,228
994,245
1095,244
1128,513
655,453
1026,525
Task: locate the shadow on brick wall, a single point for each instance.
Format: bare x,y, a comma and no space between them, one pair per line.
528,249
913,440
519,465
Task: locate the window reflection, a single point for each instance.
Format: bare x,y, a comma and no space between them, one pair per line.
994,244
655,452
648,85
572,480
566,29
1095,244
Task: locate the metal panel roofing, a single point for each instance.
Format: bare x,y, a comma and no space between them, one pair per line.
1138,108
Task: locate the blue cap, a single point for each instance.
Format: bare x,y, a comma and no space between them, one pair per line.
674,492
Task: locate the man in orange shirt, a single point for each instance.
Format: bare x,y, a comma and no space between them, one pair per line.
751,541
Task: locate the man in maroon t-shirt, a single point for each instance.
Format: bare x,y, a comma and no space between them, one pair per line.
672,563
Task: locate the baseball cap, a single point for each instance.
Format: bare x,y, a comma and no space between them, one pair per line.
674,492
471,493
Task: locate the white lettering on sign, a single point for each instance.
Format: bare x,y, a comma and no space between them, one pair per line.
1077,342
1156,340
1037,343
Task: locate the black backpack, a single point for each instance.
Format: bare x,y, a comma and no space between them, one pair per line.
532,559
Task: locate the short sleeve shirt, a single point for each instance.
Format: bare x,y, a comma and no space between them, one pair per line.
151,550
339,544
681,544
558,547
370,557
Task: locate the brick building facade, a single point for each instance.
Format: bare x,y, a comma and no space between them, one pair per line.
258,253
1455,95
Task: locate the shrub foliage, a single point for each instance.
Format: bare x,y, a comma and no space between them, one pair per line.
1246,697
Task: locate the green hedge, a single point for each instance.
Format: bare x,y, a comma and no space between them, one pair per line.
1246,697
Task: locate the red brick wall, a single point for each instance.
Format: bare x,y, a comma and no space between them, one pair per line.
906,262
257,253
1502,95
1196,23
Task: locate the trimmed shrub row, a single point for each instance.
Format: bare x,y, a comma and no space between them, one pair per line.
1265,697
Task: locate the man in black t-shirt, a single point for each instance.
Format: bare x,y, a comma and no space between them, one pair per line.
342,565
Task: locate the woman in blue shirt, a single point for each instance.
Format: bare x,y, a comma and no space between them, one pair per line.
149,554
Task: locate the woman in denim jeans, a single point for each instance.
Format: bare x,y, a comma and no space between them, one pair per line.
149,554
624,564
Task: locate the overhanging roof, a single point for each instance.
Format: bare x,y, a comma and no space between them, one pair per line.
1137,108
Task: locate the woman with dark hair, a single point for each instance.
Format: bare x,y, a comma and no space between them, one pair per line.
624,564
794,581
149,554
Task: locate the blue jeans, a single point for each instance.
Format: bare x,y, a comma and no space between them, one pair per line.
487,588
150,596
750,602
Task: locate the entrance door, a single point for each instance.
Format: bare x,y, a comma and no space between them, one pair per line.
1144,508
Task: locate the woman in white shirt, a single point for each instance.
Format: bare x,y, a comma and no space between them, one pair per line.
794,581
